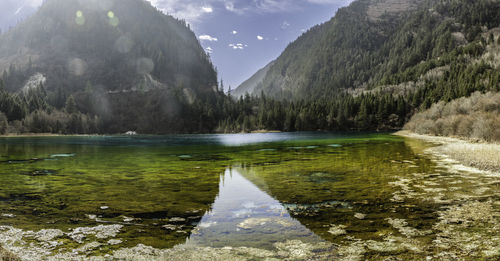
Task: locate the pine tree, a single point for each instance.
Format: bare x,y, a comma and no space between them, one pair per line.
71,105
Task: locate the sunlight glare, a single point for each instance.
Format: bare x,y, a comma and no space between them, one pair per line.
113,20
79,19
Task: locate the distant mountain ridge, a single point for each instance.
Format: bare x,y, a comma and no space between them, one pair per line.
248,86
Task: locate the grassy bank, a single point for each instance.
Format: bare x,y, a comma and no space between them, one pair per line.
480,155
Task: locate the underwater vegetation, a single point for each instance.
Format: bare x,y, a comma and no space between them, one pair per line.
309,196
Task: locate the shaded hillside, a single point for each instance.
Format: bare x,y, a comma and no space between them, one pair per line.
114,45
116,60
249,85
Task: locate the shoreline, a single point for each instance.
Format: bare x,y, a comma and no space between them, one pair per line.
34,135
473,154
27,135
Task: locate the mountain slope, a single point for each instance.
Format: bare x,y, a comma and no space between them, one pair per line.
370,41
113,44
376,64
249,85
120,60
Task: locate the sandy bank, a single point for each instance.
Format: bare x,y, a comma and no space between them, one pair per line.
479,155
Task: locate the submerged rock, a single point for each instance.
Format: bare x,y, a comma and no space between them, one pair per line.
337,230
352,252
48,234
360,216
177,220
88,247
385,246
113,242
402,226
100,232
128,219
171,227
298,250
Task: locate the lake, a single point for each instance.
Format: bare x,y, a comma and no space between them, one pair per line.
295,196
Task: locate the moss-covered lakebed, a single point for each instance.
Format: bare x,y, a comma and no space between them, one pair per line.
237,197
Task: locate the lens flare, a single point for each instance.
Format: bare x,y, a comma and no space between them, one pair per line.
79,19
113,20
77,66
124,44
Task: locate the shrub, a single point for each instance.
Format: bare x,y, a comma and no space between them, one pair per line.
477,116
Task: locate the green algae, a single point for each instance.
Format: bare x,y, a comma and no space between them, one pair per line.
358,197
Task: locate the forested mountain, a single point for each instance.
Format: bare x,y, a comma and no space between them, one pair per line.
376,63
118,65
374,42
122,61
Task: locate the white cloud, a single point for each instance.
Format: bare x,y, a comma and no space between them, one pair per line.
209,50
238,46
193,10
207,37
285,25
231,8
207,9
260,38
234,32
189,10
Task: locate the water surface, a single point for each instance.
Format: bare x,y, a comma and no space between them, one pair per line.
352,195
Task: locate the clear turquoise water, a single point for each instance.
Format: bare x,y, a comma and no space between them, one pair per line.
248,190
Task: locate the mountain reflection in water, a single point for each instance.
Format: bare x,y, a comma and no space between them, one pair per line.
244,215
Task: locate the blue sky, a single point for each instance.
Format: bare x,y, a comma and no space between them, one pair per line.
245,35
241,35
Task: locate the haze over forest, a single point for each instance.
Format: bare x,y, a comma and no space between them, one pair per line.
371,67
